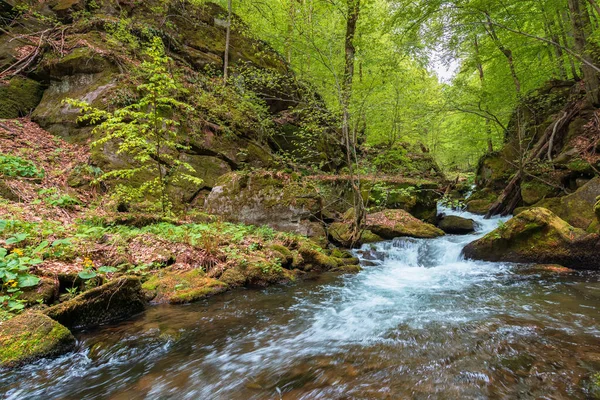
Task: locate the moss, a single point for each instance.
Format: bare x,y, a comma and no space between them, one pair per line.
45,293
534,191
284,254
113,301
233,277
579,165
349,269
597,208
19,97
390,224
317,258
32,336
538,236
480,207
178,287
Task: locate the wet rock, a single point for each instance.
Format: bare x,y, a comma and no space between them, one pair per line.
456,225
390,224
31,336
113,301
538,236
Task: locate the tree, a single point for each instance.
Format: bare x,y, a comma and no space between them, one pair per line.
147,132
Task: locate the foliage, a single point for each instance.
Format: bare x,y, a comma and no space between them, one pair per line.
146,131
14,166
14,272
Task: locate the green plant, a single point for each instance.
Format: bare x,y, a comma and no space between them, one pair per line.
14,274
147,131
56,199
14,166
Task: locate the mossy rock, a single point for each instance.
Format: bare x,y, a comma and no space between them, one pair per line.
390,224
45,292
178,287
538,236
576,208
340,232
31,336
533,192
19,97
597,208
113,301
456,225
479,207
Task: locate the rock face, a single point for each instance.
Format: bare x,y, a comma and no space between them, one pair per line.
32,336
281,202
390,224
456,225
538,236
577,208
113,301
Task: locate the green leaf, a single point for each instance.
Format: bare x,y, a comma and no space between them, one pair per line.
87,274
28,280
42,246
107,270
17,238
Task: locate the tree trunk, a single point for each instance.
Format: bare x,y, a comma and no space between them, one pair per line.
562,20
353,9
507,53
581,26
227,40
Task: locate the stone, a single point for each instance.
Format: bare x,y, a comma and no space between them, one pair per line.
31,336
456,225
116,300
339,233
479,207
390,224
576,208
178,287
538,236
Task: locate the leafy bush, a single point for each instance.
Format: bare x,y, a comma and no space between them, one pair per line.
14,166
56,199
14,273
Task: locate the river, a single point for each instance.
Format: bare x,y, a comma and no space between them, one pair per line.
418,322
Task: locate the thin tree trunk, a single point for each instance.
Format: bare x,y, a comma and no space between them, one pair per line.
507,53
581,25
353,9
227,40
562,20
488,127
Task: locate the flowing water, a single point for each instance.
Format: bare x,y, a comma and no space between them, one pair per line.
418,322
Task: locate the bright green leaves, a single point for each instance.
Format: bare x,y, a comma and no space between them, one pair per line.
146,132
13,166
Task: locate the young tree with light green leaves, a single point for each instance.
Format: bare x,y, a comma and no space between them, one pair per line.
146,131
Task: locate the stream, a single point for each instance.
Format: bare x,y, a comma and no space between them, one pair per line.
418,322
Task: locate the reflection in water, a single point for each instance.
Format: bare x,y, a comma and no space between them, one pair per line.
421,323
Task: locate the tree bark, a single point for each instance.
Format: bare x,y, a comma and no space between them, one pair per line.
227,40
507,53
353,13
581,26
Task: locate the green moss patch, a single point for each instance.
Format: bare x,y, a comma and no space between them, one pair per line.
31,336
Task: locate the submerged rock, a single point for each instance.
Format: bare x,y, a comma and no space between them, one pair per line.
456,225
390,224
113,301
32,336
538,236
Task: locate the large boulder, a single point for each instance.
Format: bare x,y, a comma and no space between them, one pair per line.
32,336
454,224
281,201
390,224
113,301
577,208
538,236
